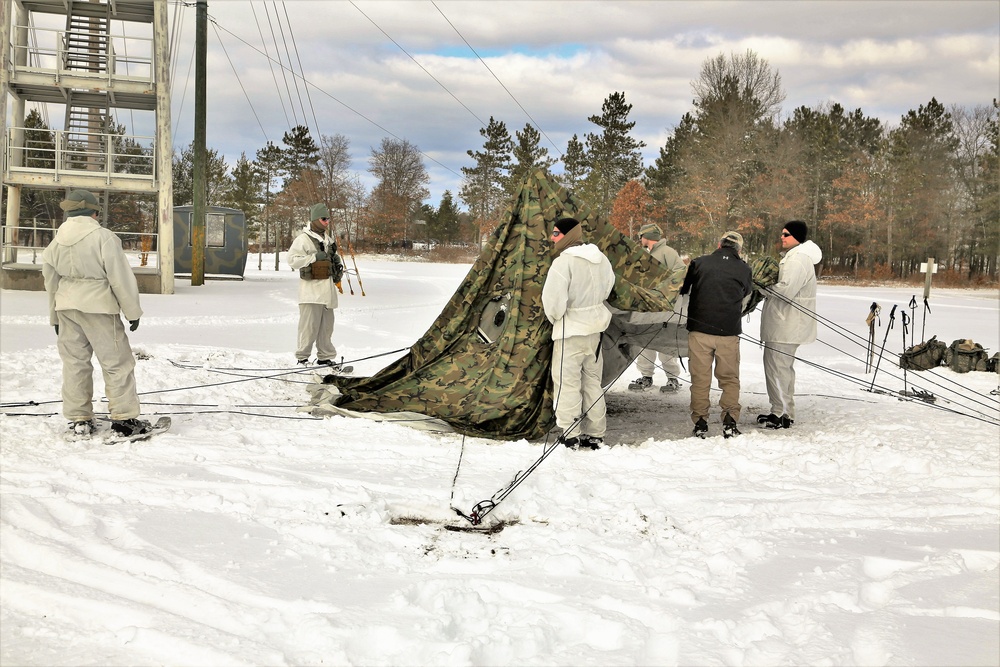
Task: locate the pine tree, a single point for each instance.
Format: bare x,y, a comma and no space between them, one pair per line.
247,194
612,156
484,189
922,155
446,223
268,161
528,155
574,163
300,152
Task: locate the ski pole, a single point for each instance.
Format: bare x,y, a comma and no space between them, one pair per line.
873,314
913,312
892,319
361,285
905,320
923,326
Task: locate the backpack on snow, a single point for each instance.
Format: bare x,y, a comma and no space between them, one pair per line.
923,356
993,363
964,355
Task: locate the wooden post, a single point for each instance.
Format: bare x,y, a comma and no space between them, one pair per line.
929,268
200,170
164,157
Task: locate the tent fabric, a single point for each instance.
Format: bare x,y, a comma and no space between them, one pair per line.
483,365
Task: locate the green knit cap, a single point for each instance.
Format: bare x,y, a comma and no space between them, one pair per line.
317,211
651,231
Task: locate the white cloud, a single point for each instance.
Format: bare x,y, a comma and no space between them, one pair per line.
560,60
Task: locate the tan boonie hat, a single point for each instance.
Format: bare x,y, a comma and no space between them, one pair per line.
736,238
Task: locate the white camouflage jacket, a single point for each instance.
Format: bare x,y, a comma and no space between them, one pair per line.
788,312
85,269
579,281
302,253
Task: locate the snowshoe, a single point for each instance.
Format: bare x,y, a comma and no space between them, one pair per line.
336,367
671,386
700,428
642,384
130,427
133,430
81,429
590,442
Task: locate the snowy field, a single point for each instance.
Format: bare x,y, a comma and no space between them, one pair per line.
254,534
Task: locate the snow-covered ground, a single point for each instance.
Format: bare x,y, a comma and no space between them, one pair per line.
254,534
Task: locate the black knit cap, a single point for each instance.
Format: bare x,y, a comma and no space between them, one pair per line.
566,224
798,230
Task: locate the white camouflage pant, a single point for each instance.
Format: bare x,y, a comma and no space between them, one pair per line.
646,363
779,376
81,336
576,384
316,327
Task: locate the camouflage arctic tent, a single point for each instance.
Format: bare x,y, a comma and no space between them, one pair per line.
483,366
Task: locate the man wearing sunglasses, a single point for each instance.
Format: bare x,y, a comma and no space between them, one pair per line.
577,284
313,254
788,320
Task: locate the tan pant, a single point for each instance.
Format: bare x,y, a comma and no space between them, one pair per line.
316,326
81,336
703,349
576,385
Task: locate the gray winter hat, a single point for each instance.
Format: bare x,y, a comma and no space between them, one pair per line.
80,202
317,211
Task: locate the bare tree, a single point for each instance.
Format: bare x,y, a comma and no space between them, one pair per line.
402,180
334,169
400,170
756,80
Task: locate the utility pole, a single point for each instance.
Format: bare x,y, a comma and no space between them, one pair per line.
198,214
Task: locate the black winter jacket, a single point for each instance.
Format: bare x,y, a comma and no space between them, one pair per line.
717,283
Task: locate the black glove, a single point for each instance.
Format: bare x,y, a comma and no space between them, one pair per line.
56,328
133,325
320,256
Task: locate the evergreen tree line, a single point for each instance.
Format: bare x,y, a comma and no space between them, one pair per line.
878,199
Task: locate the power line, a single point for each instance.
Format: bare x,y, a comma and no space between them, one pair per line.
281,64
445,88
288,55
535,123
303,71
239,81
331,96
270,63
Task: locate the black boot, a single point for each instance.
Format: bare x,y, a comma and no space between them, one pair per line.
769,421
130,426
